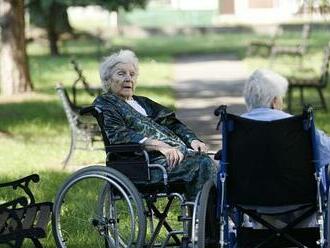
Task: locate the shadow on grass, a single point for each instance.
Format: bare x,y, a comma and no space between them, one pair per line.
49,115
21,116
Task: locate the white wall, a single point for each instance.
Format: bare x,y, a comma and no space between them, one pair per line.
195,4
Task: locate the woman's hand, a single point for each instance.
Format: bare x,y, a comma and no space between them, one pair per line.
173,155
198,146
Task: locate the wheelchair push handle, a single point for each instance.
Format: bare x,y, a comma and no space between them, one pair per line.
220,111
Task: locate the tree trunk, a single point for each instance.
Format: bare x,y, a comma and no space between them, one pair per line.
14,72
52,39
51,30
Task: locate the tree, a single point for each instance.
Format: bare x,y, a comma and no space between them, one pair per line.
14,72
317,6
52,15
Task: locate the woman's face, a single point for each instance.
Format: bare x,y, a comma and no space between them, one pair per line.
123,80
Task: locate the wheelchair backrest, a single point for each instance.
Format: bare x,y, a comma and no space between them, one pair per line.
270,163
129,159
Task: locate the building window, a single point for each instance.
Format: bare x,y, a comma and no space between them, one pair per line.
227,6
261,4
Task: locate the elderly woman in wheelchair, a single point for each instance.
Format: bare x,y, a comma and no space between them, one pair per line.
150,155
273,182
135,119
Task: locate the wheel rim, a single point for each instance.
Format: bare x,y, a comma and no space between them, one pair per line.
78,207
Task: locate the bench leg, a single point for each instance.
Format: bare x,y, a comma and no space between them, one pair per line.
18,243
251,49
324,105
301,61
36,243
72,148
272,56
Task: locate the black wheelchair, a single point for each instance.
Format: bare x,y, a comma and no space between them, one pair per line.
107,206
272,190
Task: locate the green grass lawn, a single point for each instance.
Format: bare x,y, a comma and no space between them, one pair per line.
34,133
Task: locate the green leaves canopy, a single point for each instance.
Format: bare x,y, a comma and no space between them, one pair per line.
108,4
46,13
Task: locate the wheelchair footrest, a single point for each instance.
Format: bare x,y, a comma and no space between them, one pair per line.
249,237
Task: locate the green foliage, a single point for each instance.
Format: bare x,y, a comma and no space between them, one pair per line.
320,6
108,4
42,10
46,13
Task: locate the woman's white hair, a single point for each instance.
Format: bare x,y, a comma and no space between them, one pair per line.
109,63
262,87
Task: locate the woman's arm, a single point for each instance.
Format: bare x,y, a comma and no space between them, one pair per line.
185,134
172,154
180,129
118,133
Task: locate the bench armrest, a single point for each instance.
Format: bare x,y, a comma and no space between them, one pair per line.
23,183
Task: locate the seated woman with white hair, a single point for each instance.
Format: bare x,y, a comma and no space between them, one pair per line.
263,93
136,119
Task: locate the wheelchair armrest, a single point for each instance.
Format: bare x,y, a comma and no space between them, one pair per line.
162,168
23,183
123,148
217,156
131,159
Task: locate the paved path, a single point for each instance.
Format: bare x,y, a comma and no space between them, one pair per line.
202,84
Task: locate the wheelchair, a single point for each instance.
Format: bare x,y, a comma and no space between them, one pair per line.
270,184
108,206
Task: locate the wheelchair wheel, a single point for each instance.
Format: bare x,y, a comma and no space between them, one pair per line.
98,207
205,225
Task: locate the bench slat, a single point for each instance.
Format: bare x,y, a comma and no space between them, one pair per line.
12,222
30,216
3,219
43,218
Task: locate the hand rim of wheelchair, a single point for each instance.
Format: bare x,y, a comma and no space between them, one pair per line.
120,181
199,215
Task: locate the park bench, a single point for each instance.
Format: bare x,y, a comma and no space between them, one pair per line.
298,50
23,218
318,83
256,45
92,91
84,129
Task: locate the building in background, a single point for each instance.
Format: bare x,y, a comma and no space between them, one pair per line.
184,14
257,11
